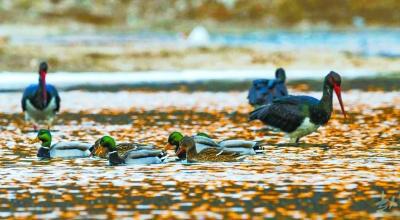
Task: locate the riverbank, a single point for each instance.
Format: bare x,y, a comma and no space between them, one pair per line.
145,57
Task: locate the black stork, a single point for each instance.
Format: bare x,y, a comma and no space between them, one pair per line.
263,91
41,101
299,116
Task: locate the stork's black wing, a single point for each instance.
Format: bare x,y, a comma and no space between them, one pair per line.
286,113
29,92
54,93
297,100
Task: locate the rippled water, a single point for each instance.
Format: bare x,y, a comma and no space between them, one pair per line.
347,178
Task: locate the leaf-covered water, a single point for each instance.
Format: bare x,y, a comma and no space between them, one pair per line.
352,176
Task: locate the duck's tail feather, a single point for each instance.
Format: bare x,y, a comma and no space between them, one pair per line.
163,156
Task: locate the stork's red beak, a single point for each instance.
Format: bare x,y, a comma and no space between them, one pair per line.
44,90
339,96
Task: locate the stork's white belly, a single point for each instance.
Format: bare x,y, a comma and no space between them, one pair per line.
36,115
306,127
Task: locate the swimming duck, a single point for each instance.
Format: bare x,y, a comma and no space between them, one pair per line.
41,101
99,149
203,140
206,154
128,153
61,149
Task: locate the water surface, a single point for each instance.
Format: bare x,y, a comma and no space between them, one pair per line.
346,178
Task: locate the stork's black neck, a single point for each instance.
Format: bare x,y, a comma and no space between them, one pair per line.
41,81
321,113
40,99
326,99
42,84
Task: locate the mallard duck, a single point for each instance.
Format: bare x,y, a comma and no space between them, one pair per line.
61,149
206,154
127,153
203,140
99,149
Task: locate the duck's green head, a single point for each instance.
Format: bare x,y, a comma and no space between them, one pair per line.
202,134
103,146
43,136
174,138
108,143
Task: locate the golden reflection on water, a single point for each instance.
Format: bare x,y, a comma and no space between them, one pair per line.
346,178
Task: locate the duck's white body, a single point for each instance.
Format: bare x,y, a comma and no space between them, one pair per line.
240,146
140,156
70,150
145,160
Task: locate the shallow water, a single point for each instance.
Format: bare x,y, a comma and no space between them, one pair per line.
346,178
63,80
369,42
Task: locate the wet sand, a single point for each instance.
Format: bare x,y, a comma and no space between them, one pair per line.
170,56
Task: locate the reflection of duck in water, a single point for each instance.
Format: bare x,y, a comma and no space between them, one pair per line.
202,141
40,102
60,149
299,116
127,153
263,91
